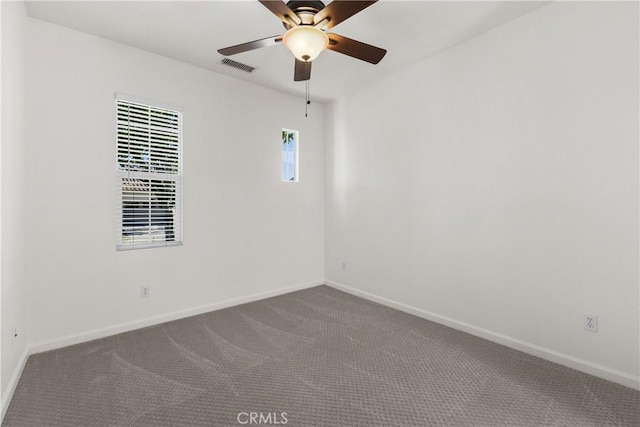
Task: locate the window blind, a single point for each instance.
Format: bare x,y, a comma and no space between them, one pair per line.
149,175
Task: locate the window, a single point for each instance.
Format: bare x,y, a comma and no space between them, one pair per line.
149,174
289,155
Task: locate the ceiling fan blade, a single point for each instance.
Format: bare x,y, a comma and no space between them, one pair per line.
282,11
302,71
256,44
355,49
338,11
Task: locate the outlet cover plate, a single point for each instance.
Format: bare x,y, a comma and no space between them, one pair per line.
591,322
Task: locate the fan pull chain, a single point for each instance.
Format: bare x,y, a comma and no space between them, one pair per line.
306,105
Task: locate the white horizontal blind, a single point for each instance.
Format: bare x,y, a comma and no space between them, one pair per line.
149,175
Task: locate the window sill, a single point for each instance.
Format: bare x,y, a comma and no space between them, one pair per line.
120,248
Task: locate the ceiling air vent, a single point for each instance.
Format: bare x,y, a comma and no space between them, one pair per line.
238,65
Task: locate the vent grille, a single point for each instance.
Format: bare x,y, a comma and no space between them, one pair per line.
237,65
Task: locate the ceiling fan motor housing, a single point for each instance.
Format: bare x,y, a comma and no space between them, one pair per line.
305,9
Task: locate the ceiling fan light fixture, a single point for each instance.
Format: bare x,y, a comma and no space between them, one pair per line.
306,42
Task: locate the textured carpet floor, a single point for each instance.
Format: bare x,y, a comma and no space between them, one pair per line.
320,356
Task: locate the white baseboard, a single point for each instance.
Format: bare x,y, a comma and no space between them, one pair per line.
150,321
585,366
13,383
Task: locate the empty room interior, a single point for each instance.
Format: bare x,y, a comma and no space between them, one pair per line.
338,213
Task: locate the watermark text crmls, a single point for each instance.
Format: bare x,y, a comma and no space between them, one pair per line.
262,418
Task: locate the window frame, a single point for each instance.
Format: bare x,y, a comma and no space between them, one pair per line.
176,178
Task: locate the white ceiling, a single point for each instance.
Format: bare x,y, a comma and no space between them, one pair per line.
193,31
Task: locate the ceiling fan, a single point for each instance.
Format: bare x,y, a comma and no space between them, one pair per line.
306,22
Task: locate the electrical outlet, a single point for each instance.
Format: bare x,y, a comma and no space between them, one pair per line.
145,291
591,322
344,266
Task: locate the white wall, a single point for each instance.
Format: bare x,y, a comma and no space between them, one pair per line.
245,232
13,290
496,185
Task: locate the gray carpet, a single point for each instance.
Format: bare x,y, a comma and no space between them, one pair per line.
321,357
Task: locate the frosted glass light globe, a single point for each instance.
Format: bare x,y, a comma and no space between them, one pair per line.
305,42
